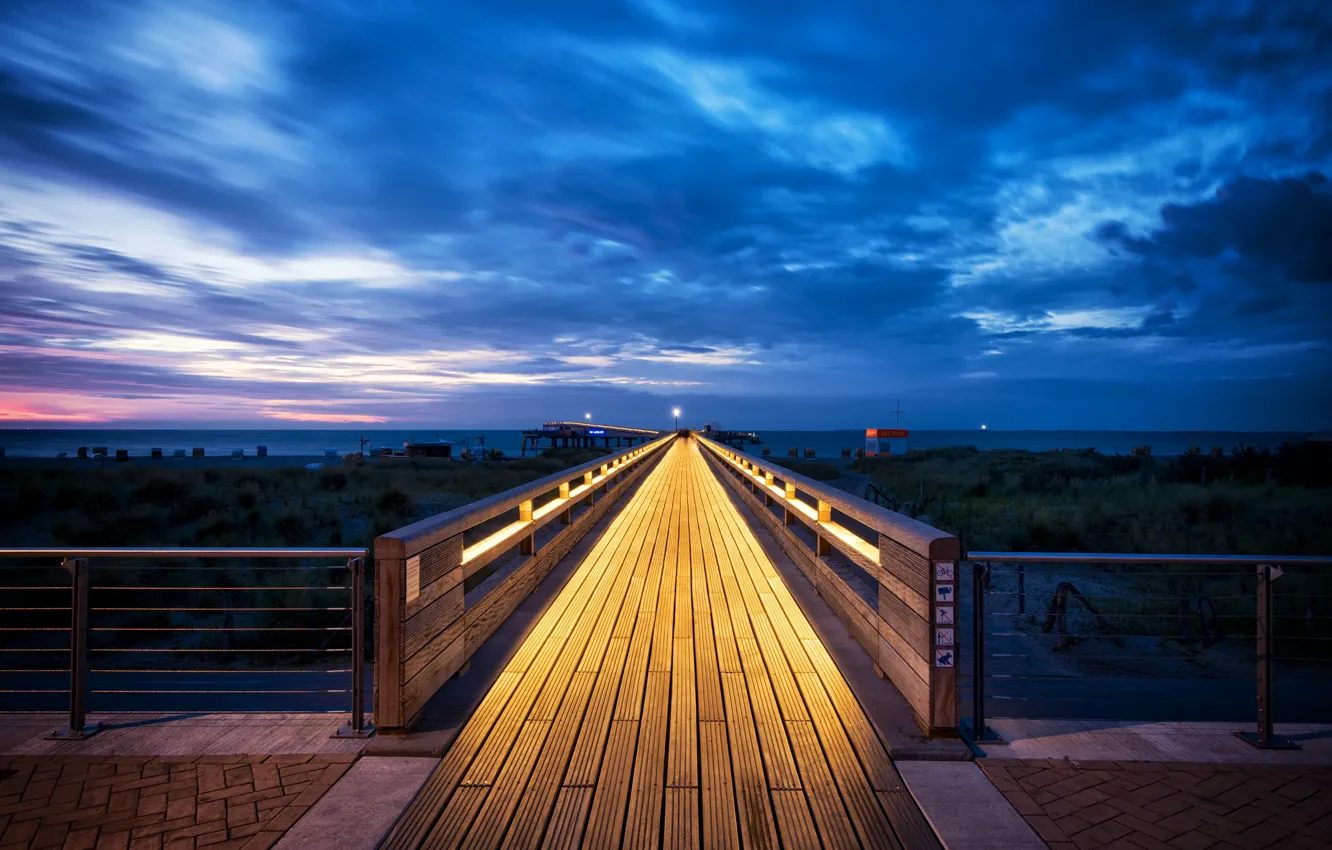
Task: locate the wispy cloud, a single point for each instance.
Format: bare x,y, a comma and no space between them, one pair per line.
419,212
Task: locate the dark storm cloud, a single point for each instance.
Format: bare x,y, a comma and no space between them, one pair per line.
1283,224
1023,190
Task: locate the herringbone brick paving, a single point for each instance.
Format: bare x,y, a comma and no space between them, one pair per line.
158,803
1168,806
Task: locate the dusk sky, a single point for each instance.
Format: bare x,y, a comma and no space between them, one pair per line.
773,214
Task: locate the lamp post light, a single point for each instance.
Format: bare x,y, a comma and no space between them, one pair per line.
676,413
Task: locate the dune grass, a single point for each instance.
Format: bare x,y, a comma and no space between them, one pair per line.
1085,502
139,504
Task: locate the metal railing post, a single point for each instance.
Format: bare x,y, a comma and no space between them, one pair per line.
78,728
357,727
1264,738
1022,588
980,732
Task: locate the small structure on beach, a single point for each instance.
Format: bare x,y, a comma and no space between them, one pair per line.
879,441
428,448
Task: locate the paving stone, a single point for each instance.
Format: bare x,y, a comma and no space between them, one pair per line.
170,803
1180,806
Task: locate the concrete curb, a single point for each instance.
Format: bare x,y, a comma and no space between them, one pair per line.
358,811
964,807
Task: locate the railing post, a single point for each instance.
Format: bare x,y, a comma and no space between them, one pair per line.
823,546
566,516
78,728
526,546
979,731
1022,588
1264,738
357,727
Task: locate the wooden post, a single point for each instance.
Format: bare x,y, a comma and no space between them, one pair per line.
390,605
944,553
824,515
526,546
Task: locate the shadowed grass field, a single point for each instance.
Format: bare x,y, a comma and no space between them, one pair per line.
1085,502
1082,502
140,505
243,612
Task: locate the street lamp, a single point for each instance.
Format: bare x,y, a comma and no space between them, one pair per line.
675,411
587,416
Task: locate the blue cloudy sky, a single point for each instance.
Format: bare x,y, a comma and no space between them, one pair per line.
1035,215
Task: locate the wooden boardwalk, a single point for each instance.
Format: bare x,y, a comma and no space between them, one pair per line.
673,695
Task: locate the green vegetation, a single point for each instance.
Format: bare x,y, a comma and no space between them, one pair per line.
144,504
1085,502
232,600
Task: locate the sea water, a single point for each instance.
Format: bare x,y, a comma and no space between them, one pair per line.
42,442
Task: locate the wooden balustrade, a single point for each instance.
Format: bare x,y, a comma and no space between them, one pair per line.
896,594
429,619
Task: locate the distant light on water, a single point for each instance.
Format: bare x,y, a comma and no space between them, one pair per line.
983,427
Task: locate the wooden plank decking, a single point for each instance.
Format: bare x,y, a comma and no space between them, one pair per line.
673,695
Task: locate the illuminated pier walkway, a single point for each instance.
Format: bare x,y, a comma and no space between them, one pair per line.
672,695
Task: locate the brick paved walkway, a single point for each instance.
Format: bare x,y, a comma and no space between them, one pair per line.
1168,806
163,803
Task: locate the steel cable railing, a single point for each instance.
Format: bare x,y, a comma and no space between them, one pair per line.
1142,615
128,614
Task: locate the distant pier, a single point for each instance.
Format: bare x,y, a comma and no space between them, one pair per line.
584,435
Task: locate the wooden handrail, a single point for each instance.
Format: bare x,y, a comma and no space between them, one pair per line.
924,540
905,617
427,532
429,620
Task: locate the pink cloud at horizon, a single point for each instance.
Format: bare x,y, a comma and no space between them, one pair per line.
304,416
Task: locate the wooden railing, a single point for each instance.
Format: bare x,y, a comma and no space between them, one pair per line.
891,579
446,583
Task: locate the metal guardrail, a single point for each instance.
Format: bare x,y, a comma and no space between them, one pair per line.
77,563
447,582
1198,569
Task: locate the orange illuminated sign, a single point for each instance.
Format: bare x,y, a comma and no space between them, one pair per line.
886,433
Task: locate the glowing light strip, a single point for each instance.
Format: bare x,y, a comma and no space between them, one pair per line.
850,539
551,506
479,548
514,529
845,535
